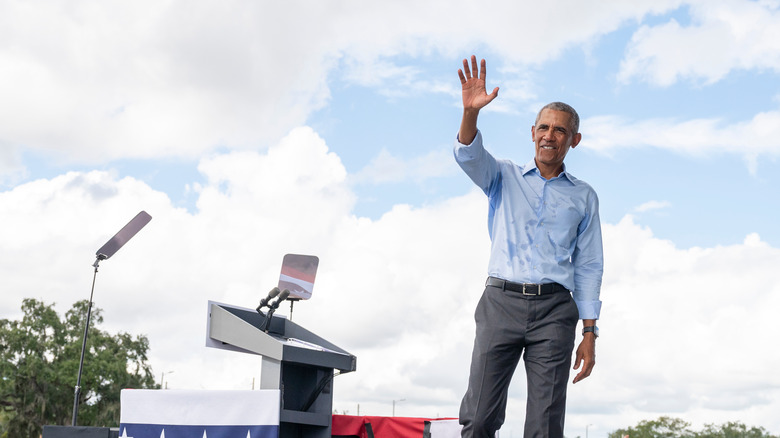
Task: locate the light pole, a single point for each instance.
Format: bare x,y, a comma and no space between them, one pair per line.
586,430
162,379
104,253
399,401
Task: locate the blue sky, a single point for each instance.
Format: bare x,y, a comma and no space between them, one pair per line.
251,130
359,121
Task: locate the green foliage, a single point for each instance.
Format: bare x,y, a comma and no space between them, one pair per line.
734,429
664,427
39,360
667,427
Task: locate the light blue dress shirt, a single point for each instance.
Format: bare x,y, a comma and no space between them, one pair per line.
541,231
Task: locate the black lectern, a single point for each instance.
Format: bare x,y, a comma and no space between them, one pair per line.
296,361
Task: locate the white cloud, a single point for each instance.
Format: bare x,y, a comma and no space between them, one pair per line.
95,81
156,79
722,37
652,205
665,310
12,168
387,168
749,138
399,292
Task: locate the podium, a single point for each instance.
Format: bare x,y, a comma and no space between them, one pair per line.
300,364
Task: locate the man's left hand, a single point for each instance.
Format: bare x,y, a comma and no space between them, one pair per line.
586,356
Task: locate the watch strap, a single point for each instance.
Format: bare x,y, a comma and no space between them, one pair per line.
590,329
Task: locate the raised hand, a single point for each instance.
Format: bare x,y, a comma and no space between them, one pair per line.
475,98
472,80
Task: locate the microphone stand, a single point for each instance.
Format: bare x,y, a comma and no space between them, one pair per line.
292,302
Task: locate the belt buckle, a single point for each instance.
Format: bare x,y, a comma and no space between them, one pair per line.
538,289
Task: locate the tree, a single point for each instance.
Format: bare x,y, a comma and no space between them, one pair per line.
663,427
733,429
667,427
39,359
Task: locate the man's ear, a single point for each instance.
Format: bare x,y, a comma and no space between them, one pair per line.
576,140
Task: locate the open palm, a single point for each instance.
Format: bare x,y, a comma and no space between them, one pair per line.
472,80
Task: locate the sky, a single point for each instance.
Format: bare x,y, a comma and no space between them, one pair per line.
253,129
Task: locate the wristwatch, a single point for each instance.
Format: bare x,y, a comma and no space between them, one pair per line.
591,329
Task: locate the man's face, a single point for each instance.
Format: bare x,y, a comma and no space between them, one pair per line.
552,135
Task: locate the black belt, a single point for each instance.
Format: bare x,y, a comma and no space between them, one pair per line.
525,288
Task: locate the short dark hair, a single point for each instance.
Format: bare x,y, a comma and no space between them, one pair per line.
560,106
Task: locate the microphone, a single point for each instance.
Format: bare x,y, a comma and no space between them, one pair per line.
282,296
272,307
264,302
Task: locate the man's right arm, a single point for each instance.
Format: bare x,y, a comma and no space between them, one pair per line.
475,97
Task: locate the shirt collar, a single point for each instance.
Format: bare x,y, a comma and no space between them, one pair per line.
531,167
